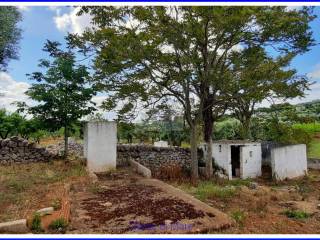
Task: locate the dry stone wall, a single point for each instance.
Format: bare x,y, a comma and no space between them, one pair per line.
153,157
18,150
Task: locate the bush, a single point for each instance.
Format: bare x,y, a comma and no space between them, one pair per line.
59,225
239,216
36,223
296,214
227,129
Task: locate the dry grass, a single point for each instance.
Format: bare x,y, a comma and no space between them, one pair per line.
25,188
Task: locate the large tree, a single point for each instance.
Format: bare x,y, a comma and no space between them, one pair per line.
145,54
63,91
10,35
258,77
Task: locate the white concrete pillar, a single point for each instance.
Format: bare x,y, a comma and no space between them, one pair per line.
100,145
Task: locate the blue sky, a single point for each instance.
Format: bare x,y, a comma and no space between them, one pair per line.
41,23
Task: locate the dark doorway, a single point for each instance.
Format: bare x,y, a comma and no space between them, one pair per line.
235,161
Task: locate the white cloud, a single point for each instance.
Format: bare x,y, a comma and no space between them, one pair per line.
23,8
71,22
11,91
315,74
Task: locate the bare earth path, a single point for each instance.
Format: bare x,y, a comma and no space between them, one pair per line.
124,202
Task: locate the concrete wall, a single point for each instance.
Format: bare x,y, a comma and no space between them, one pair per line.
101,146
250,158
222,157
289,161
250,161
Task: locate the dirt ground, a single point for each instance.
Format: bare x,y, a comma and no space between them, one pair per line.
26,188
261,209
123,202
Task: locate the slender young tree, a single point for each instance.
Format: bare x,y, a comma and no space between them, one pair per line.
62,92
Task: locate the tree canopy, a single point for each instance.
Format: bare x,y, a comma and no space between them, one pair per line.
10,35
63,92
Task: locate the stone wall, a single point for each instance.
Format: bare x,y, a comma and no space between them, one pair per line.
154,157
18,150
314,163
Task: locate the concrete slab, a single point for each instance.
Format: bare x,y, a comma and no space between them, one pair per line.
140,205
18,226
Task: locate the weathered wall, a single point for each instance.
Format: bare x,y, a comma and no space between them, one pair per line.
250,157
100,145
250,160
18,150
313,163
153,157
289,161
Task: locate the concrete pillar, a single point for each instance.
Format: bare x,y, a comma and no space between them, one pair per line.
100,145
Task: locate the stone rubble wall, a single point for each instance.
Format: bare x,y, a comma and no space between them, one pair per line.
18,150
74,148
154,157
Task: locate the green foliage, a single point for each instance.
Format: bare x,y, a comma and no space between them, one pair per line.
314,149
227,129
10,35
36,223
59,225
63,91
239,216
308,127
207,190
296,214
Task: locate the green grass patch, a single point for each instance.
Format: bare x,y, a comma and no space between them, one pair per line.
240,182
314,149
36,224
296,214
239,216
308,127
59,225
207,190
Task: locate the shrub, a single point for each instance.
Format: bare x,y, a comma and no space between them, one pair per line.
239,216
59,225
296,214
36,223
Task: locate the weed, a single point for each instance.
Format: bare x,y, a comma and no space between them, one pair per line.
56,204
207,190
59,225
240,182
95,188
239,216
36,223
296,214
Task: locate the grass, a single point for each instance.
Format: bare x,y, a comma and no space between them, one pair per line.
308,127
314,149
21,186
36,224
59,225
206,190
239,216
296,214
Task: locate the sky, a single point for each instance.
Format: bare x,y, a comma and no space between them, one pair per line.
53,23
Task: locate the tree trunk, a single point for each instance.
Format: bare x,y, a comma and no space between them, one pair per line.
207,116
194,154
246,131
66,145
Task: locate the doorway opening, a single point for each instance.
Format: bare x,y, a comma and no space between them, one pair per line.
235,161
